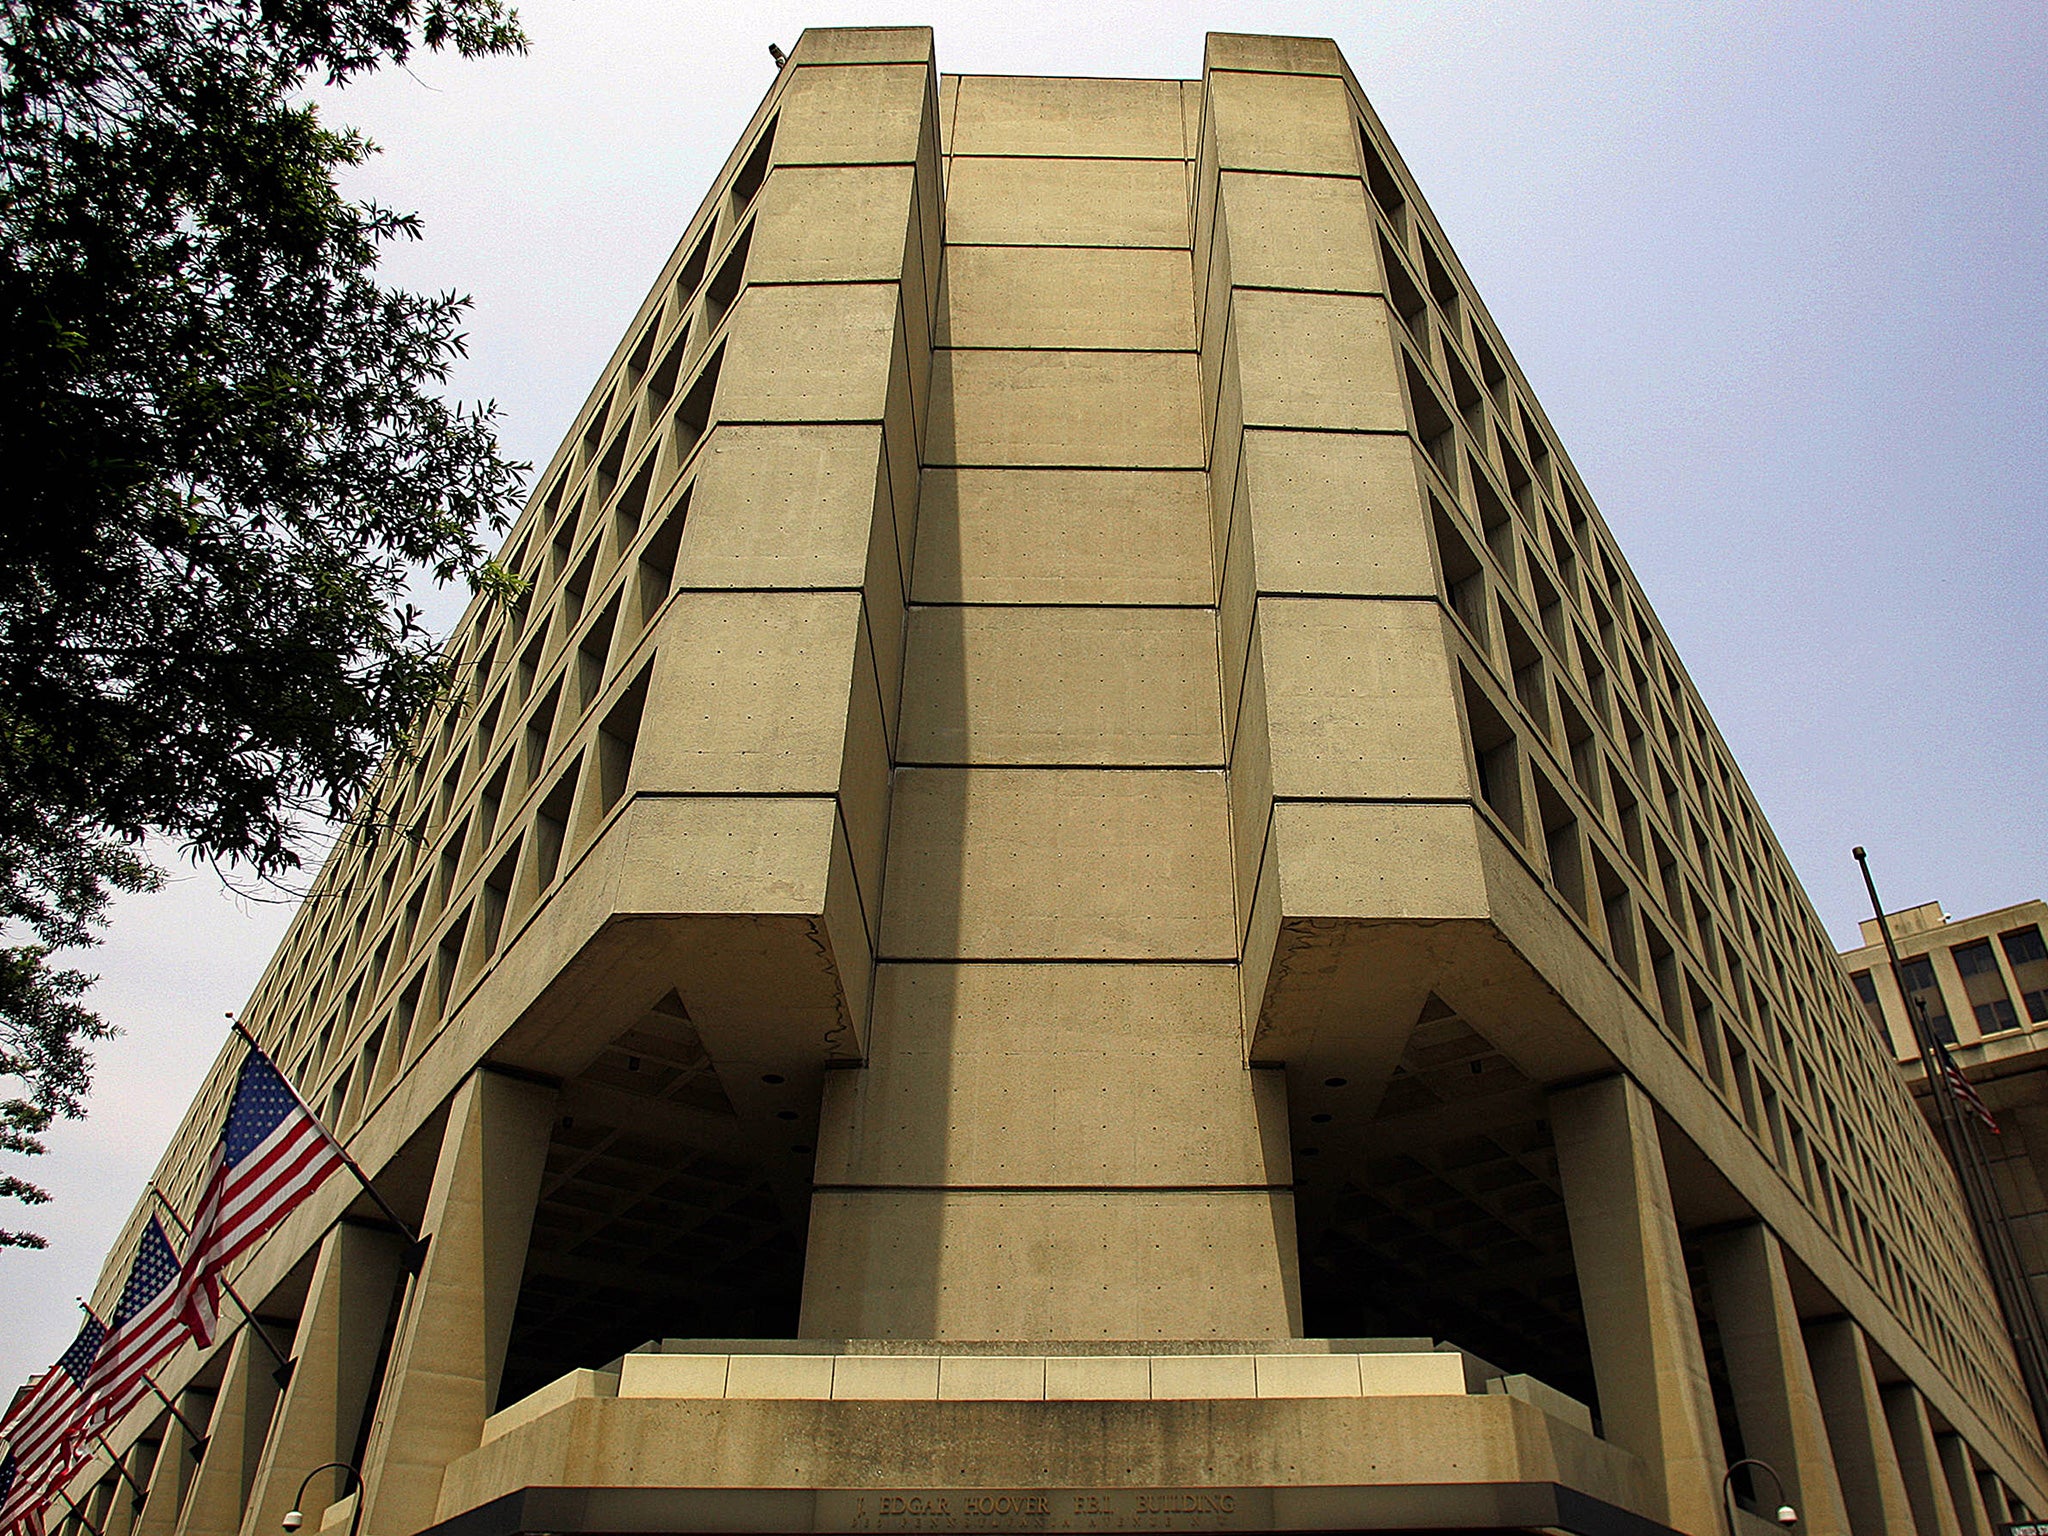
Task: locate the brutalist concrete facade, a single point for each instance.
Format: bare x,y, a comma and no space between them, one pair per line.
1083,897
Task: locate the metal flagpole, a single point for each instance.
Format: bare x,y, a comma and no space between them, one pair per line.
1988,1220
198,1435
83,1519
362,1178
185,1231
121,1469
82,1516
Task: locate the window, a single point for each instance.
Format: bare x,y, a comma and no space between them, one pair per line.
1923,996
1380,181
1866,993
1562,846
2028,957
1464,577
1496,756
1985,987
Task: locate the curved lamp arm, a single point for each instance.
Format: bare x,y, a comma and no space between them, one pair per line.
294,1518
1787,1515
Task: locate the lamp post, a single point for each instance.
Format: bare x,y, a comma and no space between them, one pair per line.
293,1518
1787,1516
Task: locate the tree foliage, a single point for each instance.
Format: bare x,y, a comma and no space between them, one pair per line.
225,448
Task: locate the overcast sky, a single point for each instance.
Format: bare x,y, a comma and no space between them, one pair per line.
1774,270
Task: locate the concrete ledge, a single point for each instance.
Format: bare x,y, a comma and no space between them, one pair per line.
935,1376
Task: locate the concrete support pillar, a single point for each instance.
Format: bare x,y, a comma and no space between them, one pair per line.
234,1442
450,1351
1934,1511
1996,1506
1865,1460
334,1360
1775,1400
1963,1491
170,1475
123,1507
1647,1359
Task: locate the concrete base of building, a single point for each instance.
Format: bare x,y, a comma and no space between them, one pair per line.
1304,1434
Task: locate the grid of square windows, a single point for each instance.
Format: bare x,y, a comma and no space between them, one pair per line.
1592,752
472,823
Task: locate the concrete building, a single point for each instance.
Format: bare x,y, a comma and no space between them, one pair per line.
1084,897
1984,982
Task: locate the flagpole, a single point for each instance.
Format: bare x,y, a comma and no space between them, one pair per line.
1988,1220
362,1178
121,1469
185,1231
198,1435
79,1513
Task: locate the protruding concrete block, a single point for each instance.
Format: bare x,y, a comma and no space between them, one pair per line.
1274,55
774,1376
1309,1375
1276,122
1323,360
1004,201
1091,410
886,1376
869,112
809,352
1037,296
863,45
992,1378
1204,1377
664,1375
1070,1378
1068,536
1032,863
1312,233
1044,685
1123,119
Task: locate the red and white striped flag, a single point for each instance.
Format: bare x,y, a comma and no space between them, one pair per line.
272,1155
143,1330
1966,1094
41,1434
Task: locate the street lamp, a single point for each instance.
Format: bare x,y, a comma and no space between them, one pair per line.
1787,1516
294,1518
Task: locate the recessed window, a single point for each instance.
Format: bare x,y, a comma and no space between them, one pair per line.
1923,996
2028,957
1990,1003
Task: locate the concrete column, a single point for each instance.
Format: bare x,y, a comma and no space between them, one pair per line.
1934,1512
171,1473
1775,1400
443,1378
234,1442
1865,1460
1992,1492
123,1508
334,1360
1647,1360
1963,1491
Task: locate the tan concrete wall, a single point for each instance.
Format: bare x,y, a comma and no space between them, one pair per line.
1057,704
1055,1121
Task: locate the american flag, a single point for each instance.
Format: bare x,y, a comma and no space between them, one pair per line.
144,1329
1966,1093
272,1155
41,1432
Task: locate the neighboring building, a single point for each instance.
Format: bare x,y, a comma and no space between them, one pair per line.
1084,897
1984,982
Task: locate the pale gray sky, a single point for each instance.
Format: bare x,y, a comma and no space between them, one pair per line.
1775,271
